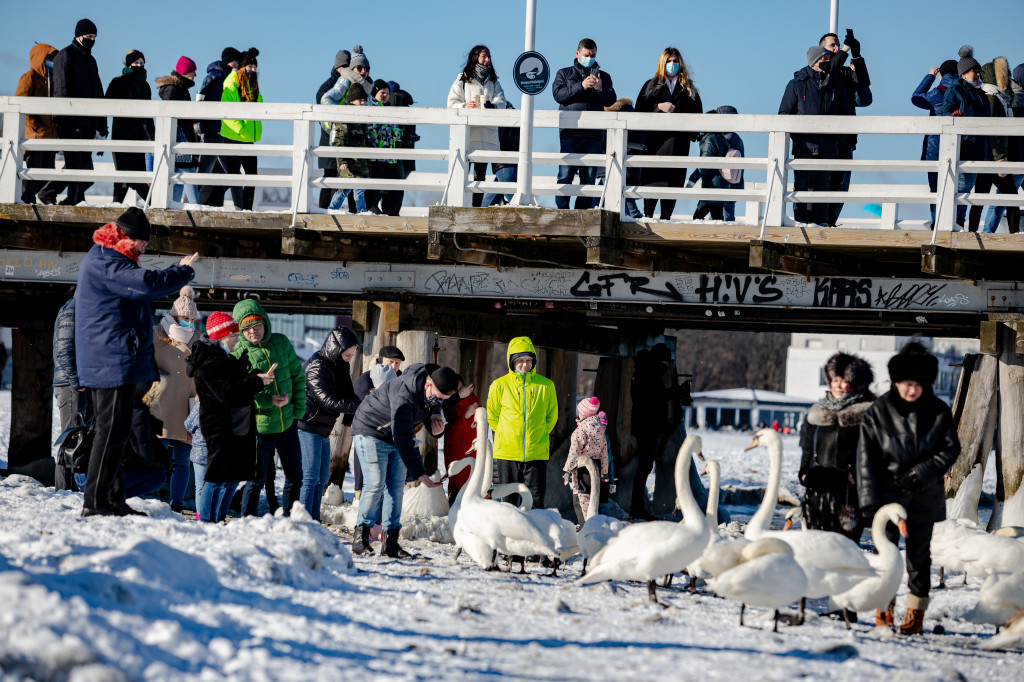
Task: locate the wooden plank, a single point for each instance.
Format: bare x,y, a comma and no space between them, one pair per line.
798,259
1010,444
976,429
989,337
953,263
515,220
32,403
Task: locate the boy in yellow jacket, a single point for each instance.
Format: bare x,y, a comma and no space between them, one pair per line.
522,409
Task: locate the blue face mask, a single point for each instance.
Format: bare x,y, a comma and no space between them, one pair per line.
585,62
187,325
672,68
224,348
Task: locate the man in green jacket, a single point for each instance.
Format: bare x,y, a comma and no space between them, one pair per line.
522,409
278,406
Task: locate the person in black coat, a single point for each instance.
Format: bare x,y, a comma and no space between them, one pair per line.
671,91
329,394
908,442
209,129
226,391
828,440
75,74
131,84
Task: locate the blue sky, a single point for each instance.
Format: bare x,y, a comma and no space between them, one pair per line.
741,53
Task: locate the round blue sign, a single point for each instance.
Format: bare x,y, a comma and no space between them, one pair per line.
531,73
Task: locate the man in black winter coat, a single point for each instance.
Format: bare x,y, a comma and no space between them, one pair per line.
76,75
908,442
814,91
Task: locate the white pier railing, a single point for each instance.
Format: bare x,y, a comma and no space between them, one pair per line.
764,201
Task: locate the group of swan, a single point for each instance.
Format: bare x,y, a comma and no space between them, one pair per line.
962,545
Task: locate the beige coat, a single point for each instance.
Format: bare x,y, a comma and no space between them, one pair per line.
168,400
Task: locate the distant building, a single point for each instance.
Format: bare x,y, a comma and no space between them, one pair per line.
743,409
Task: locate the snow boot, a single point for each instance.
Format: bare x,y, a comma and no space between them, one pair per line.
913,624
886,618
390,547
361,540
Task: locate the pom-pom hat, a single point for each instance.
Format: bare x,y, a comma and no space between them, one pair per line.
219,325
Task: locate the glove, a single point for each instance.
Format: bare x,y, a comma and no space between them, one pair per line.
853,43
909,480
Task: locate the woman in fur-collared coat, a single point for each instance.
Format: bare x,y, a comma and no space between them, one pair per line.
828,439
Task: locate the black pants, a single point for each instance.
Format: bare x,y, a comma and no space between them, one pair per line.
1003,185
73,161
479,174
70,403
129,162
214,196
390,200
919,556
211,163
675,177
716,209
104,484
533,473
839,181
646,451
36,159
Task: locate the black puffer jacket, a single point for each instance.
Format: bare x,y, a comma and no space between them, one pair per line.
329,392
828,438
65,370
75,75
905,451
808,95
227,418
131,85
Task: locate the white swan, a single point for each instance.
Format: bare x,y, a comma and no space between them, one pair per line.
959,545
793,517
879,591
647,551
1000,597
1010,638
717,559
598,529
478,548
561,530
767,575
832,562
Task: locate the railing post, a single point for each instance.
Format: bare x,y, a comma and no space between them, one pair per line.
11,161
890,216
163,145
615,175
302,163
458,166
778,150
945,202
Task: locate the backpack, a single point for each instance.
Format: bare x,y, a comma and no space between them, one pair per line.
733,176
75,443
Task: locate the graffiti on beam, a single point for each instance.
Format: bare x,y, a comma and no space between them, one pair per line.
339,273
303,279
604,285
902,297
736,288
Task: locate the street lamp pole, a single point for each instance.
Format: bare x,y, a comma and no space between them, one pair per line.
833,20
524,183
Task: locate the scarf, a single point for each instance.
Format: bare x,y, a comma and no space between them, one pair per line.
176,332
248,86
483,73
838,404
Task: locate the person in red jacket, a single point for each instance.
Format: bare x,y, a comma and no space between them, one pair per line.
459,434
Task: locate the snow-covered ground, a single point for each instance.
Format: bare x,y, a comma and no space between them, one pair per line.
165,598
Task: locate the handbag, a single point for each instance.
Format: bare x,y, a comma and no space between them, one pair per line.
74,444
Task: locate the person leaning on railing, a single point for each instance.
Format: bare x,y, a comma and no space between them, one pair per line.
37,82
240,86
350,135
348,71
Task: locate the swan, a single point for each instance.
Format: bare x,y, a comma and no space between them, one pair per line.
879,591
561,530
960,545
794,516
1010,638
723,558
766,575
598,528
478,549
832,562
1000,597
647,551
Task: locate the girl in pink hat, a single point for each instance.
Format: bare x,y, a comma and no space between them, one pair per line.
588,440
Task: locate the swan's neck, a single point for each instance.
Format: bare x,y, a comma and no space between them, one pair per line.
883,544
475,483
462,491
712,510
594,506
763,518
693,515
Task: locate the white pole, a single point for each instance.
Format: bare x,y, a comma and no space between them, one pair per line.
524,183
833,21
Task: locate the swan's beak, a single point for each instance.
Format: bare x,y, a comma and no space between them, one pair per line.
788,524
903,527
704,473
700,456
753,444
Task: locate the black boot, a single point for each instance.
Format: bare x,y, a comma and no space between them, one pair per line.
361,540
391,547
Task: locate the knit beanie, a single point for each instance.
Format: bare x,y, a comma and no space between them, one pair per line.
914,363
342,59
381,374
84,27
248,57
185,305
219,325
250,321
229,55
967,61
134,224
814,53
185,65
587,407
379,85
391,352
133,56
445,380
358,58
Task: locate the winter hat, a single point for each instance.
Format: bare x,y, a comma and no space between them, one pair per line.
248,57
358,58
445,380
84,27
602,417
185,305
947,68
379,85
727,109
914,363
856,370
185,65
381,374
219,325
342,59
134,224
815,53
391,352
250,321
967,61
229,55
1017,85
587,407
133,56
395,87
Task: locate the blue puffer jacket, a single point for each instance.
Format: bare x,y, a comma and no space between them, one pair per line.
213,86
65,371
931,100
113,319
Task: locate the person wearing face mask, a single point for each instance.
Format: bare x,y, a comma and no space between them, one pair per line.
965,98
335,90
383,440
814,91
175,88
37,82
671,91
76,75
584,86
131,84
522,410
226,387
477,86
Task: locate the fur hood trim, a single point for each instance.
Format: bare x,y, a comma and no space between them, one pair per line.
175,79
851,416
110,237
620,104
1002,68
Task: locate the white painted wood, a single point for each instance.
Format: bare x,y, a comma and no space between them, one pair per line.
166,134
304,137
404,154
11,162
890,214
458,165
615,173
949,153
775,201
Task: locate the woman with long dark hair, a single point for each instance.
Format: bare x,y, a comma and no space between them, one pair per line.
478,87
671,91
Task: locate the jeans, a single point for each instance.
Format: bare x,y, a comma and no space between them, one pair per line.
191,191
180,453
964,183
995,213
505,174
338,200
729,211
138,481
287,446
383,479
199,470
215,500
316,468
578,145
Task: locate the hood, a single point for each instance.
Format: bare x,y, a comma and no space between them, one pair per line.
806,74
216,69
247,307
37,57
339,340
175,79
520,344
624,104
948,80
110,237
1018,75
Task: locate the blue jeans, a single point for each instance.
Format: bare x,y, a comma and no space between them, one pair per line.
383,479
506,174
316,468
138,481
341,195
180,453
215,500
965,183
287,446
192,191
577,145
995,213
729,209
200,473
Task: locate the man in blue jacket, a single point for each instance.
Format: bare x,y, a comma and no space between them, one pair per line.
581,87
964,98
931,100
114,345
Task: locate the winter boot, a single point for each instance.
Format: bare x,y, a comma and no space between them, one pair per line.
390,547
361,540
913,624
886,618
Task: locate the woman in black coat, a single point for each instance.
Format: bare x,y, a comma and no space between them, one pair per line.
828,440
671,91
329,394
131,84
908,442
